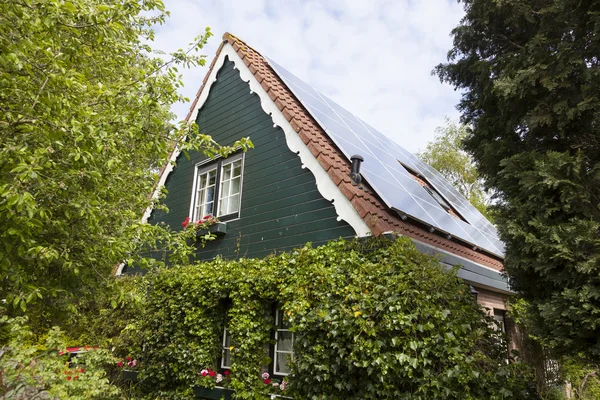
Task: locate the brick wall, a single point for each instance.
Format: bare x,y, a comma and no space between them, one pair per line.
491,300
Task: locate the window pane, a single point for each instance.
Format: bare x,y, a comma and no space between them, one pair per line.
235,185
237,168
285,341
281,320
226,357
225,189
281,363
226,172
208,209
226,362
499,317
223,207
202,183
205,194
234,203
211,194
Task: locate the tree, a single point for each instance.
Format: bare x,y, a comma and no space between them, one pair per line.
530,73
446,155
85,126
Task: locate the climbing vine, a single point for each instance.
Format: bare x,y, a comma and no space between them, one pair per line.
371,319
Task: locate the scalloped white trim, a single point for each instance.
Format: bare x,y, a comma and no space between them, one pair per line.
325,185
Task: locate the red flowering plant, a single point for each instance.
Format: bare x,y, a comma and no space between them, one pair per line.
74,373
200,228
211,378
203,222
273,383
129,363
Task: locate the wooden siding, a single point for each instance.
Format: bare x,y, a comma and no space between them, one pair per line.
281,207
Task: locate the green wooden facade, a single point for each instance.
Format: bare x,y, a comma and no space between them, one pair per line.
281,207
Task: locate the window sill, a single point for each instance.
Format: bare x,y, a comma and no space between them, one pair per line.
218,229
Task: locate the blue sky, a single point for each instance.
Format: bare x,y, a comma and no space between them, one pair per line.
373,57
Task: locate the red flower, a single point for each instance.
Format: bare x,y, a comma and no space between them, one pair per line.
120,364
267,381
212,373
68,378
226,372
77,377
186,222
82,370
128,358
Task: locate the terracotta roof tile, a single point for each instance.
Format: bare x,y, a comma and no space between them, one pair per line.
369,206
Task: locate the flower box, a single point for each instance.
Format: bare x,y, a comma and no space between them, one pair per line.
213,394
130,376
219,229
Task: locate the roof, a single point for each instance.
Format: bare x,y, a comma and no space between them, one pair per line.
367,201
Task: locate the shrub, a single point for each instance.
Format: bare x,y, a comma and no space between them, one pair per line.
32,369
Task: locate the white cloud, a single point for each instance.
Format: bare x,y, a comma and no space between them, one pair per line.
372,57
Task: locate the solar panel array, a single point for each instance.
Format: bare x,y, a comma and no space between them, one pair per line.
382,169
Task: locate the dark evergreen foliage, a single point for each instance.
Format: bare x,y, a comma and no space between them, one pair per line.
531,76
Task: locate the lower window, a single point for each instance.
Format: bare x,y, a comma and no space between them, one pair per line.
284,345
226,355
500,317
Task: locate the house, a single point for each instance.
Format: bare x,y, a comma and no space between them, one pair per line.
295,187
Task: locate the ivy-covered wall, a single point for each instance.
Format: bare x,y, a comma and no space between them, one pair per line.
281,207
372,320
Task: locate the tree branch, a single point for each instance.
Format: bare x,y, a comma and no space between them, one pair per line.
40,92
585,378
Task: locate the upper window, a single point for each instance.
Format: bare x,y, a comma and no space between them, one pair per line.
218,188
284,345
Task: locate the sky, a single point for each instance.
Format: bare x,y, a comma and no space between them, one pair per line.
373,57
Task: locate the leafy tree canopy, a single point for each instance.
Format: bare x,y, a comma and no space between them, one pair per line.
530,74
85,126
445,153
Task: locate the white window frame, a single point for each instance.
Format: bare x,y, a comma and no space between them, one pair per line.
225,349
199,173
216,164
275,350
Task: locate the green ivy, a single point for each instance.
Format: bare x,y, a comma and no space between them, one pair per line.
373,319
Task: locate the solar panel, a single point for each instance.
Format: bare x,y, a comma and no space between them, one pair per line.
382,169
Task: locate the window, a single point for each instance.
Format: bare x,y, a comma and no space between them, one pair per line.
284,345
226,355
500,318
218,188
